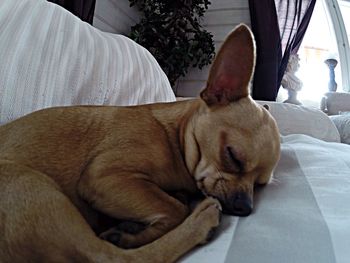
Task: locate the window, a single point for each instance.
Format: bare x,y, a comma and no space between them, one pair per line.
326,37
334,8
345,11
318,45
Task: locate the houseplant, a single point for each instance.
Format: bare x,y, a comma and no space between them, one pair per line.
172,32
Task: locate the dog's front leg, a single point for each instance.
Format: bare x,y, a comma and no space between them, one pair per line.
132,197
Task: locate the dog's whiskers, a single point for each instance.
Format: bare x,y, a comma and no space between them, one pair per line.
220,174
274,181
221,182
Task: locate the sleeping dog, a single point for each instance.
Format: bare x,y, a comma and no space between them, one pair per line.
65,172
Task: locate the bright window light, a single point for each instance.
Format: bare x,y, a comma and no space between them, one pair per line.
318,45
345,10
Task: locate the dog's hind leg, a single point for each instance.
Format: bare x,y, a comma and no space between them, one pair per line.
38,223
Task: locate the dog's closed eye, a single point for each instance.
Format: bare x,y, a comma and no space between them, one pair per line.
232,163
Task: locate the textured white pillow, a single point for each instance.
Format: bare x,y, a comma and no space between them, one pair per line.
295,119
342,122
49,57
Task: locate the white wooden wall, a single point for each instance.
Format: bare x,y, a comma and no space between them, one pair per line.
223,15
115,16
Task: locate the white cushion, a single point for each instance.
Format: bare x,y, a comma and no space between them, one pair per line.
342,122
295,119
49,57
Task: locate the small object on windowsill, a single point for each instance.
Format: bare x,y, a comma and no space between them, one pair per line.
292,97
290,81
331,63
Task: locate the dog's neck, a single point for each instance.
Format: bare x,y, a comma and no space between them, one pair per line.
179,122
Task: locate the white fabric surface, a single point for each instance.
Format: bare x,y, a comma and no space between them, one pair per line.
327,168
295,119
303,216
49,57
342,122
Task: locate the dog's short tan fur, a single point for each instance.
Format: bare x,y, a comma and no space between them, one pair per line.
62,169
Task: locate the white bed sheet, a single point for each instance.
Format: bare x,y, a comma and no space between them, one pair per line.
302,216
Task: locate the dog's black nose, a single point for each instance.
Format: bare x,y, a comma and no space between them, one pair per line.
240,204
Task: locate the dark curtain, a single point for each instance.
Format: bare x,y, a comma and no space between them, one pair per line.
279,27
84,9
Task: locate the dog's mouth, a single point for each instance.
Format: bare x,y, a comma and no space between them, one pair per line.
238,204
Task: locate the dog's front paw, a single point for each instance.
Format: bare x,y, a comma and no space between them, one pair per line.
206,216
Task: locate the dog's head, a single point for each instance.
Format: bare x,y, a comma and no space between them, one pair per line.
234,141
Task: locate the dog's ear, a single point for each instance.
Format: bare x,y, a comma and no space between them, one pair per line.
232,69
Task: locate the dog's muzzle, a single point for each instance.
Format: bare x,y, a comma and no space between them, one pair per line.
240,204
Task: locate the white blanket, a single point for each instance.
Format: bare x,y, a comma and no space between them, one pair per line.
49,57
303,216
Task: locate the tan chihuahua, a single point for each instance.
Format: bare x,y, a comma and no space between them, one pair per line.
66,173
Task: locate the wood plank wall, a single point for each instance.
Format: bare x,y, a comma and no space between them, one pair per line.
116,16
221,17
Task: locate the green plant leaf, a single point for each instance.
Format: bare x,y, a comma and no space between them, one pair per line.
172,32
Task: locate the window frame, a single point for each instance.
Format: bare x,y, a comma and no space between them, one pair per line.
342,41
